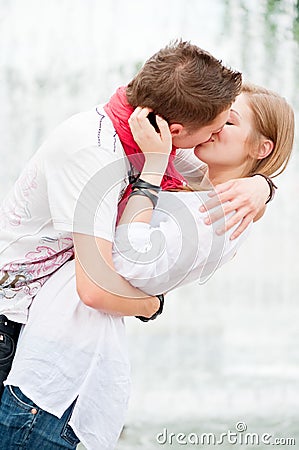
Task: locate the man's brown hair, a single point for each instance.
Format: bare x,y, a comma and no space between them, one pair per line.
184,84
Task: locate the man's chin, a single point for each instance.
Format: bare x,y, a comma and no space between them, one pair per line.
199,146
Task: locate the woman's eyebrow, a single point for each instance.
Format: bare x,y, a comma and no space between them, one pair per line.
236,112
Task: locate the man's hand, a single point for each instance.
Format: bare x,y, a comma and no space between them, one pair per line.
246,196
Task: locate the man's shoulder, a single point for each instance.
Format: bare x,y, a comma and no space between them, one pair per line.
86,120
87,129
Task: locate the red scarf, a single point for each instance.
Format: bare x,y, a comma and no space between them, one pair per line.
119,111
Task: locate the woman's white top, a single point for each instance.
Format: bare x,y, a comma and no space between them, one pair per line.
176,248
68,350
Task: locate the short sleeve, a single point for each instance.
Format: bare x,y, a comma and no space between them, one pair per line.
84,190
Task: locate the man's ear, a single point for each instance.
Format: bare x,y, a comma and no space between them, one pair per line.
265,148
175,129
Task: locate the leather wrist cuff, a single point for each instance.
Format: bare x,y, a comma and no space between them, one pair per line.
271,185
157,313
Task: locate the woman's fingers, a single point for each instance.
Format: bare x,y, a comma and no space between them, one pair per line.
216,200
239,216
139,125
243,225
138,119
145,135
164,130
140,112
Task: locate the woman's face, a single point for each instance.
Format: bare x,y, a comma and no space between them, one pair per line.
228,149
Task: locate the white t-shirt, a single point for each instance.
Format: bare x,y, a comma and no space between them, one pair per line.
72,183
36,217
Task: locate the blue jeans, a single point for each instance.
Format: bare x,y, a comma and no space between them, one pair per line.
9,333
25,426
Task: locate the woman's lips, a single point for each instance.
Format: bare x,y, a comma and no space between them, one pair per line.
206,142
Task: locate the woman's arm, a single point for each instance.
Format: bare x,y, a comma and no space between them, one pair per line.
156,148
98,284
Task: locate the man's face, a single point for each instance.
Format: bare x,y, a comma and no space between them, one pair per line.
187,139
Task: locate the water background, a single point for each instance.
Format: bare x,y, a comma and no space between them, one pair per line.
226,351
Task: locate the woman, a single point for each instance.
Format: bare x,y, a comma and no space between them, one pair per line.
70,377
243,148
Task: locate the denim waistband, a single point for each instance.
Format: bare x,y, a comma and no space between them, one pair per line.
8,326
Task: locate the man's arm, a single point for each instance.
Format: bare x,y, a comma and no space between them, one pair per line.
100,287
83,197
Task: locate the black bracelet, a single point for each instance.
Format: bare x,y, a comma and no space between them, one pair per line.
271,185
146,193
140,184
157,313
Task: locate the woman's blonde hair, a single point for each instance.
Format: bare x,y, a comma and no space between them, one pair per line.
273,119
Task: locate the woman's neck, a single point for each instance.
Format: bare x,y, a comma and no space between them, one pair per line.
221,175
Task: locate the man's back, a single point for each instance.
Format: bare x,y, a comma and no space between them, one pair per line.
36,215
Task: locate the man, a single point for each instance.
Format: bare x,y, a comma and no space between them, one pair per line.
70,189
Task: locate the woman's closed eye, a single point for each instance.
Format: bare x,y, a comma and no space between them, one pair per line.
229,123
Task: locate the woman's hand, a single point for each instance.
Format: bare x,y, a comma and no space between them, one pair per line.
246,196
148,139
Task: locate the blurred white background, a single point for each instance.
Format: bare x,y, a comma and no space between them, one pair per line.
224,351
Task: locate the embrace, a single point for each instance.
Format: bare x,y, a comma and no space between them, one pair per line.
157,188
